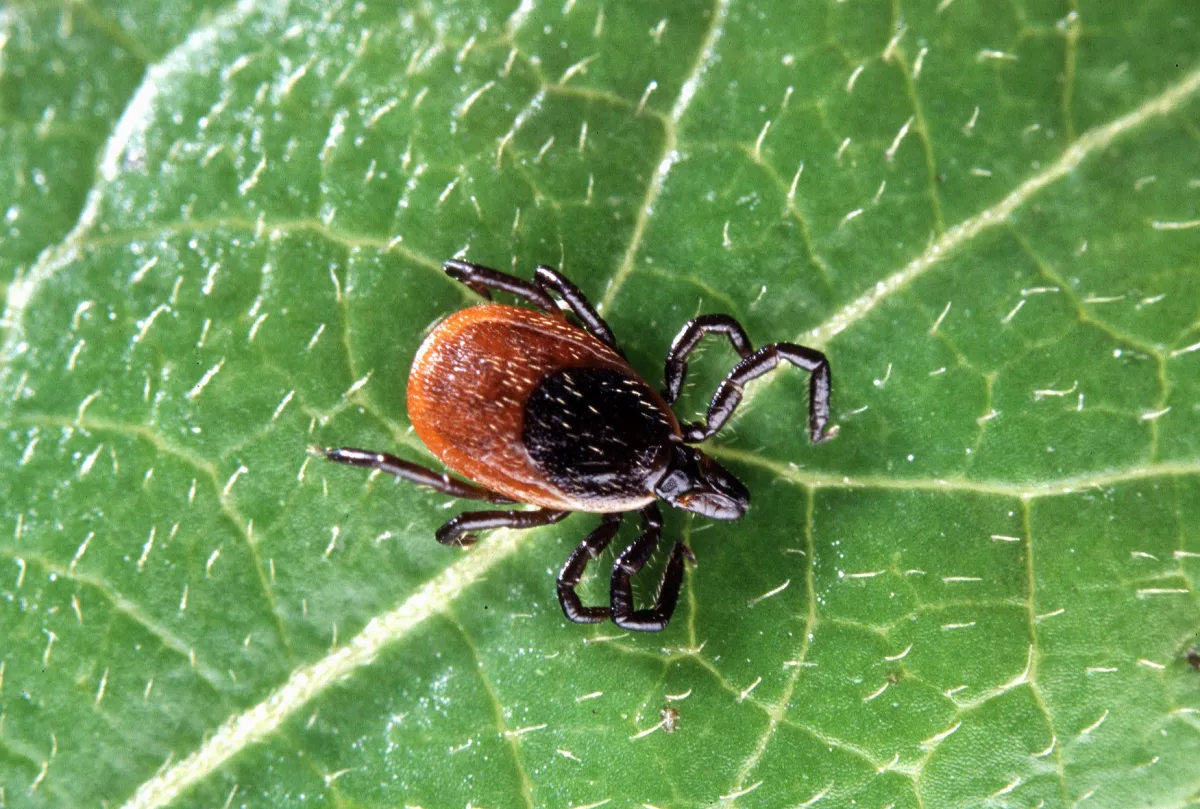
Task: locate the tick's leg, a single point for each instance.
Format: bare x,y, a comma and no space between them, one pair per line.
767,358
458,530
688,338
551,279
591,547
483,279
631,560
411,472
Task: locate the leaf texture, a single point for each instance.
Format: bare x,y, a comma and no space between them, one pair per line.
226,225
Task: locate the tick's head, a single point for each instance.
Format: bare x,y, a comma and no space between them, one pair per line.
695,482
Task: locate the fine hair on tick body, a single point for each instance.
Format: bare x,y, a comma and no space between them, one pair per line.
539,406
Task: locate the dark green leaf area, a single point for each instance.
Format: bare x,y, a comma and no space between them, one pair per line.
225,231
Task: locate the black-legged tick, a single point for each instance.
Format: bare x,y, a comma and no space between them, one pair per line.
534,409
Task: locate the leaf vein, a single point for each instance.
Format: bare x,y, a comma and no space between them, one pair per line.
670,156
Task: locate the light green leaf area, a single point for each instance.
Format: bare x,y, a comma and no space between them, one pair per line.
225,230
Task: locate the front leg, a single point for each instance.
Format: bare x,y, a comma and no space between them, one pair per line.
457,531
632,560
766,359
686,341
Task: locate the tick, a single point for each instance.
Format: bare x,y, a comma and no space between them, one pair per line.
533,407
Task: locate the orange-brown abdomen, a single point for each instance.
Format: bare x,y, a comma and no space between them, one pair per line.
470,385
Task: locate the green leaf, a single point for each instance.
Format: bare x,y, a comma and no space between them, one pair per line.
226,225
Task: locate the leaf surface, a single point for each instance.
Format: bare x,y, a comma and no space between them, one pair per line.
226,230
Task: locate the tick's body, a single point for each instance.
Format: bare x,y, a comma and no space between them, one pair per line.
535,409
557,418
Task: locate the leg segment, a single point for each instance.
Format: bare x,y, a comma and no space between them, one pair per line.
457,531
591,547
631,560
767,358
546,280
549,279
688,338
483,279
411,472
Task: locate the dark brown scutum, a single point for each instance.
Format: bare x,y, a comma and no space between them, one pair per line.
598,434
